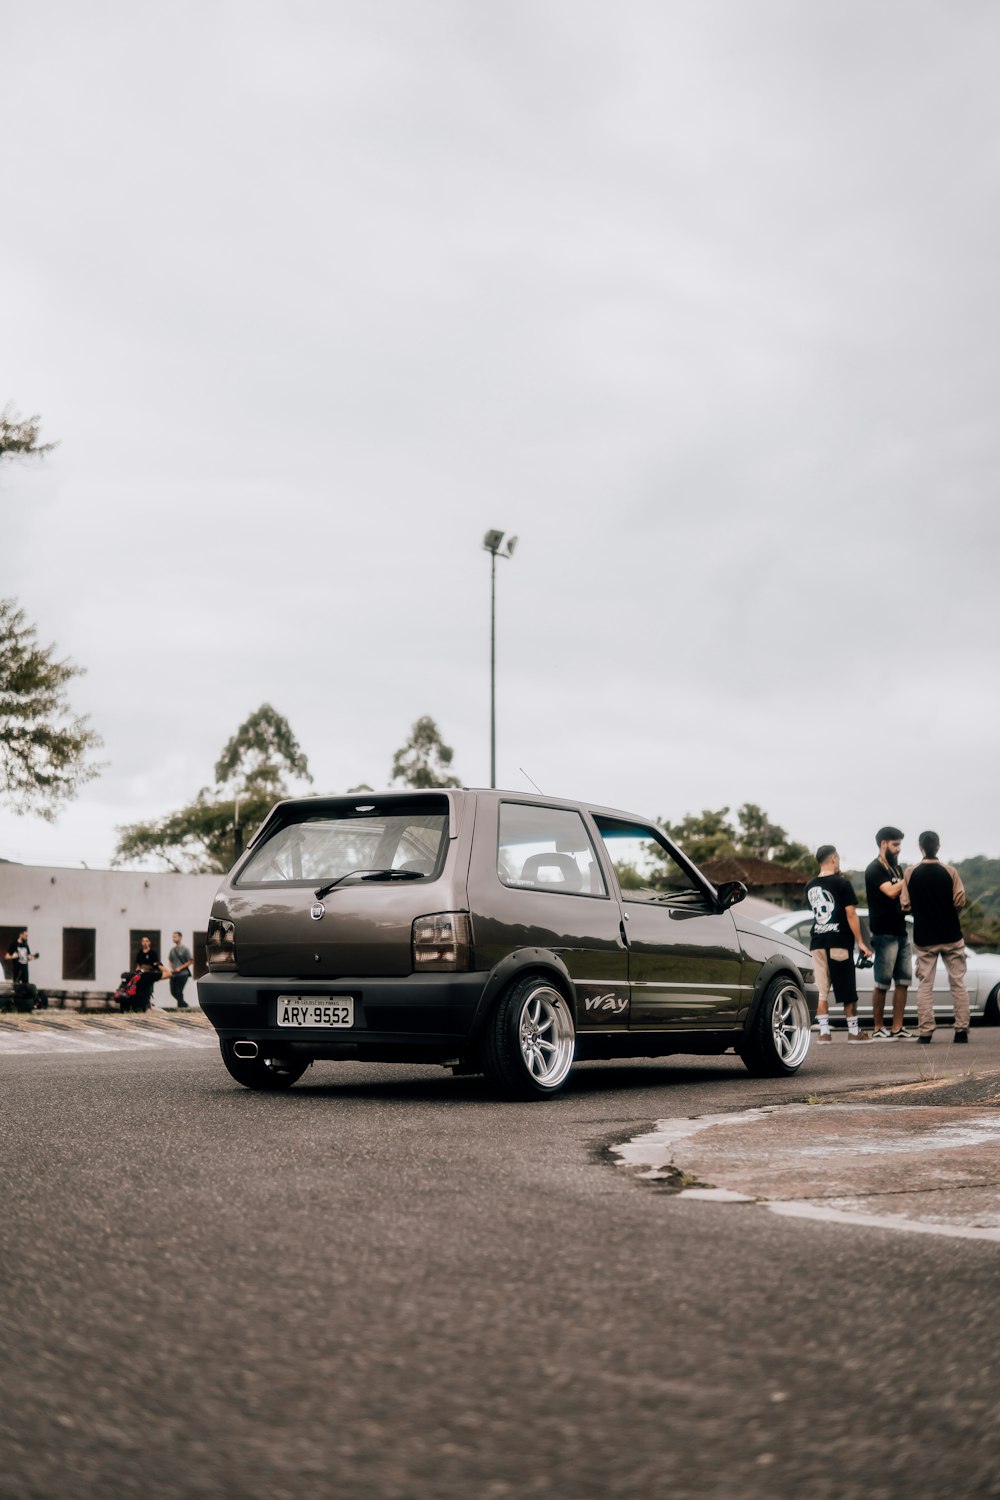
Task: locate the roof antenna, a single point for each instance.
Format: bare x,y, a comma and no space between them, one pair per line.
533,783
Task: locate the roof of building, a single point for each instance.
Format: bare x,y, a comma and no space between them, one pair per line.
754,873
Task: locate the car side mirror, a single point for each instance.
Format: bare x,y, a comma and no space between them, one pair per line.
728,893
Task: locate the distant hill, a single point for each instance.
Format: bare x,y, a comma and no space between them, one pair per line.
981,917
981,878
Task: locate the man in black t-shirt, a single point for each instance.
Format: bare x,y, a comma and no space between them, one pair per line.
935,894
890,938
835,931
20,956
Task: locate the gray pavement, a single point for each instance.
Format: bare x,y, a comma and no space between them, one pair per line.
931,1165
387,1283
925,1168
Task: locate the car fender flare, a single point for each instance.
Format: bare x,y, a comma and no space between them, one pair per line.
779,964
524,961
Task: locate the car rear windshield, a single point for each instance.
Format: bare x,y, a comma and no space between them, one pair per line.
324,846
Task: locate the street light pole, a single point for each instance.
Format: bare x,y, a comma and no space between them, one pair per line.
491,542
493,668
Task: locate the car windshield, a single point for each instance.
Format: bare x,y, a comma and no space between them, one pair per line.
324,848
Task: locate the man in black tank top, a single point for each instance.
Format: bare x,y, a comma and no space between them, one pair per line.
935,894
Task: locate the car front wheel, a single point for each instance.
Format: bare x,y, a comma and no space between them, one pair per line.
779,1034
268,1074
991,1010
531,1040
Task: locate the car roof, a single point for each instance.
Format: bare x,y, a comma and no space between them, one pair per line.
457,794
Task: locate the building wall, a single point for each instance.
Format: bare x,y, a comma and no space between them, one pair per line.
114,903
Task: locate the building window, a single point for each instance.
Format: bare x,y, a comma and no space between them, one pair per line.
79,952
199,945
8,937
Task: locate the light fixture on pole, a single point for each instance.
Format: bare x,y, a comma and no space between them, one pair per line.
492,543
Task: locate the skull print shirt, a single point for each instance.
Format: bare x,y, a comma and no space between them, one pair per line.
830,896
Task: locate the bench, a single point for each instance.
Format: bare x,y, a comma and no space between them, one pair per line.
81,1000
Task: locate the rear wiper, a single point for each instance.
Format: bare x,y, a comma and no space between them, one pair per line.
366,874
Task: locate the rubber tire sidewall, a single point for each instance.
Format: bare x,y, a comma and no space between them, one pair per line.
759,1054
503,1063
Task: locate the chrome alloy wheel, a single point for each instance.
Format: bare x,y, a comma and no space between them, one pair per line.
790,1025
545,1034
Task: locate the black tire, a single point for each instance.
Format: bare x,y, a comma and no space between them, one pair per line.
991,1010
530,1040
264,1073
777,1040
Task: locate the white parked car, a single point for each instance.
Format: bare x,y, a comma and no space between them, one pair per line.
982,978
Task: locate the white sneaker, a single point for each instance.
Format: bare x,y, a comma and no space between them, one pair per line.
882,1035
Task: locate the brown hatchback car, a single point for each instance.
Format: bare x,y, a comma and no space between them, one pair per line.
490,932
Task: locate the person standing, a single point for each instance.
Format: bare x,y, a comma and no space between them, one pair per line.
179,959
149,970
890,939
935,894
20,956
835,931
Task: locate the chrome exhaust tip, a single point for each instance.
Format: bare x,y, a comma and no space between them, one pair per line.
245,1049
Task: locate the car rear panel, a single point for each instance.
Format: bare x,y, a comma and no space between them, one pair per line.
432,1011
363,929
356,941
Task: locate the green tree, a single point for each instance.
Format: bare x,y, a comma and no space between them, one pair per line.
251,775
44,747
705,835
19,436
196,840
981,913
981,878
261,755
711,834
424,760
980,927
758,838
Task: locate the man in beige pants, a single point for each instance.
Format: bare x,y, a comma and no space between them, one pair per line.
935,894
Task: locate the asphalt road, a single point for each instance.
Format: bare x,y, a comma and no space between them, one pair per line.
388,1284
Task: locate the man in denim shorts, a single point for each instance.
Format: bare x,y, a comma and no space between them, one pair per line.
890,937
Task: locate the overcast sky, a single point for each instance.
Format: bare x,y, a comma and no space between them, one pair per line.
698,299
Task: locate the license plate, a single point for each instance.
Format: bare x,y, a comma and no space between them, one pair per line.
307,1010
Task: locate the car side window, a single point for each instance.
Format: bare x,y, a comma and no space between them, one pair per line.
802,931
646,868
547,849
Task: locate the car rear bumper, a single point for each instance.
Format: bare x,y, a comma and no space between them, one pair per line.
419,1014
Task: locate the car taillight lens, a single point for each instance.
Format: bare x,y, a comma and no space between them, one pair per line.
221,944
442,941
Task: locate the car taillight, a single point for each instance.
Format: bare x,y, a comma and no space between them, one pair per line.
442,941
220,945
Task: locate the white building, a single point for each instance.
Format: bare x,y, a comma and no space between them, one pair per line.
86,925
